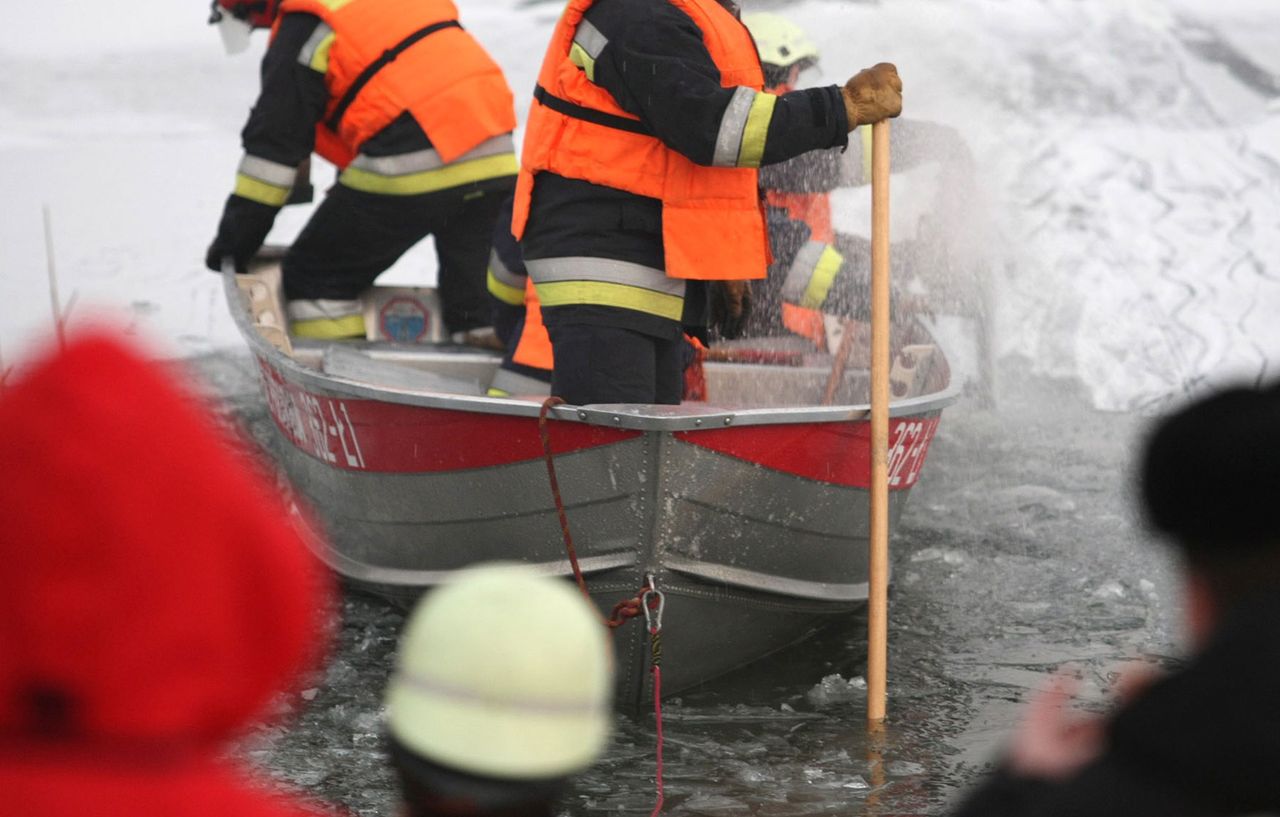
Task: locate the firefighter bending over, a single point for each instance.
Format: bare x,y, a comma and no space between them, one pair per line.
417,117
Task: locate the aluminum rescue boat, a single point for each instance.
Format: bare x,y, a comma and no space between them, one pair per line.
747,511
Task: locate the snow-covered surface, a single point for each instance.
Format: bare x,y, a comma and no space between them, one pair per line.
1129,152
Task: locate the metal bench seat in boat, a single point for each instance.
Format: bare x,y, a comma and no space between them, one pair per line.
354,364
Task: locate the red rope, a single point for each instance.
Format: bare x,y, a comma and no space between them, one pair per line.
545,434
657,714
624,610
695,378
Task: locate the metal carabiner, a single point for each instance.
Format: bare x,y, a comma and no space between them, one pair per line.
653,617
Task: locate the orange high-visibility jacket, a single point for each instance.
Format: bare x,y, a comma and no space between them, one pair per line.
814,209
386,57
712,223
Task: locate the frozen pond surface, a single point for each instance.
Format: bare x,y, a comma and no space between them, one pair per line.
1017,554
1131,151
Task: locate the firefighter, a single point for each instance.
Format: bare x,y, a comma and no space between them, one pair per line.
798,201
639,182
503,689
418,119
817,269
158,597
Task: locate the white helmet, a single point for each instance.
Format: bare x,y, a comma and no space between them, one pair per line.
504,673
781,44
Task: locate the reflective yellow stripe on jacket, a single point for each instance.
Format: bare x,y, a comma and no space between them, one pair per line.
315,51
744,127
264,181
409,174
588,42
811,275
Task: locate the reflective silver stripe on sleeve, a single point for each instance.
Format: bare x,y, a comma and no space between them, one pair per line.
806,261
264,170
402,164
732,125
308,53
590,39
605,270
587,44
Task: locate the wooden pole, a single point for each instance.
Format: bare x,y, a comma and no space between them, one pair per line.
875,769
878,579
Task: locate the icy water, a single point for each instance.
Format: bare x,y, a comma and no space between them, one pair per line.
1132,150
1017,554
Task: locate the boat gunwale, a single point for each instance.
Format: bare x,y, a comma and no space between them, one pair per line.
631,416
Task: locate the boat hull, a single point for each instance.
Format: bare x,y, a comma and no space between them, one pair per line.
750,516
752,540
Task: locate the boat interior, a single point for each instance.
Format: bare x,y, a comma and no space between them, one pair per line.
777,372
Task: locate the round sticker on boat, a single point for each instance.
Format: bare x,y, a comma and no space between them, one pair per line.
404,320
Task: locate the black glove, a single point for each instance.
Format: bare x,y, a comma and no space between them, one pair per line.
730,307
243,228
216,252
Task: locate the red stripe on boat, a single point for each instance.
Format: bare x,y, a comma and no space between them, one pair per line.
370,435
838,453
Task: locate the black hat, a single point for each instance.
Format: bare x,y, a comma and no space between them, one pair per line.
1210,474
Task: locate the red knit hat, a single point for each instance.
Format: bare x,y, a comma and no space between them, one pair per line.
155,595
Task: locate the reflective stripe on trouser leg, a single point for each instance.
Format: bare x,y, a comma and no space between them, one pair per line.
326,318
606,282
504,284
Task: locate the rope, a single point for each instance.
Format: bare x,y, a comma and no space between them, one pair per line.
656,638
648,600
695,377
653,602
626,610
657,711
545,434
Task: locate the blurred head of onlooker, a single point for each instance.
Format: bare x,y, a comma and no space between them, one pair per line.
502,691
156,595
1209,477
1204,739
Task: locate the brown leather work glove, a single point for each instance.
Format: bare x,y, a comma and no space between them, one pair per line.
730,307
873,94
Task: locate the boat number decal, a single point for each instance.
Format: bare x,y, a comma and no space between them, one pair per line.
908,443
835,453
320,426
